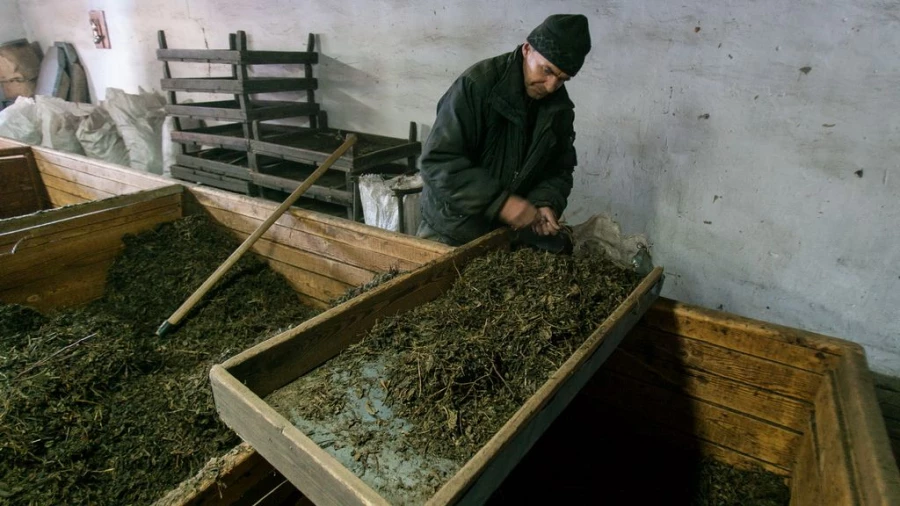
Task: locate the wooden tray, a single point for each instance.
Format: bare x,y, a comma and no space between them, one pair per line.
237,57
240,383
238,86
314,146
230,110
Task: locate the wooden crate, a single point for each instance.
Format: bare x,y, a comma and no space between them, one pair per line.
754,395
61,256
241,382
21,189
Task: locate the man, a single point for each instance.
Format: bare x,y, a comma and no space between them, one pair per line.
501,148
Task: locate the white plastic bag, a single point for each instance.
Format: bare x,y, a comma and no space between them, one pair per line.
381,199
139,119
20,121
59,121
99,137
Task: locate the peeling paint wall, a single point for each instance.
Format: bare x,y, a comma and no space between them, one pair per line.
11,27
757,144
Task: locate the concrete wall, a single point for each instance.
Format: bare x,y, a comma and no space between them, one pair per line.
11,27
756,144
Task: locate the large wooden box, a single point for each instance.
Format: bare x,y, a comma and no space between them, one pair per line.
240,384
59,258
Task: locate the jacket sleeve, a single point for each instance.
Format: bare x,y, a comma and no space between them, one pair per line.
554,188
449,163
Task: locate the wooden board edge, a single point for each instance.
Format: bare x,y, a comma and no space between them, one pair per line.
554,394
877,474
310,468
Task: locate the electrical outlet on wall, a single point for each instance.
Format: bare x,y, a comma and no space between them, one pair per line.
98,30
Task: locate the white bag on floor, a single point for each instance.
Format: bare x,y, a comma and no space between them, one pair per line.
100,138
381,200
20,122
139,119
59,122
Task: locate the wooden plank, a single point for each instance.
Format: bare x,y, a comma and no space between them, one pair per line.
55,231
874,470
232,86
412,250
238,477
229,110
21,192
318,192
323,479
18,267
89,180
79,191
736,431
358,254
806,483
227,56
210,179
278,361
74,287
125,175
478,478
300,218
345,273
310,283
618,423
835,471
61,198
57,215
722,361
738,396
798,348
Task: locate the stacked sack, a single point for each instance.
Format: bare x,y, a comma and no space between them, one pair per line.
125,129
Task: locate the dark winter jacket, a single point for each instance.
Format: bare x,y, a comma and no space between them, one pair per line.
482,149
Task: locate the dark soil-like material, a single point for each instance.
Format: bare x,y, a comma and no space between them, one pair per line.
97,409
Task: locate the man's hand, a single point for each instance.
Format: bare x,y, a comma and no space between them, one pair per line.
546,223
518,212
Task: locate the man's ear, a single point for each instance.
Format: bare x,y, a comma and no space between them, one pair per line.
526,49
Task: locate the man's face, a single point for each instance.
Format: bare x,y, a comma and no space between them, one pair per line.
541,77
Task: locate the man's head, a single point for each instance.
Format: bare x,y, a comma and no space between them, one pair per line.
554,52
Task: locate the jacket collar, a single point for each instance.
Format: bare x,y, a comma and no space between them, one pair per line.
510,99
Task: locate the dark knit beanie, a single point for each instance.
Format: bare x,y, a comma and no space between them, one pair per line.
564,40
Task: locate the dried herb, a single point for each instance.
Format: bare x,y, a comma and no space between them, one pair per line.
99,410
455,369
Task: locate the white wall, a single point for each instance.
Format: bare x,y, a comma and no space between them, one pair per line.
780,205
11,27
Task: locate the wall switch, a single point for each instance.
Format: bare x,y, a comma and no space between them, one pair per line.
99,34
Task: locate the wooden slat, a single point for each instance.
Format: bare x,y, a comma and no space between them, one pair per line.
806,482
277,361
478,478
739,396
324,480
75,286
358,255
125,175
62,238
838,484
20,270
167,195
724,361
80,192
88,179
806,350
345,273
60,198
310,283
873,467
729,429
403,246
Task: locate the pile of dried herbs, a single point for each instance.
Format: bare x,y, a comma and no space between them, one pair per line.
456,368
96,408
